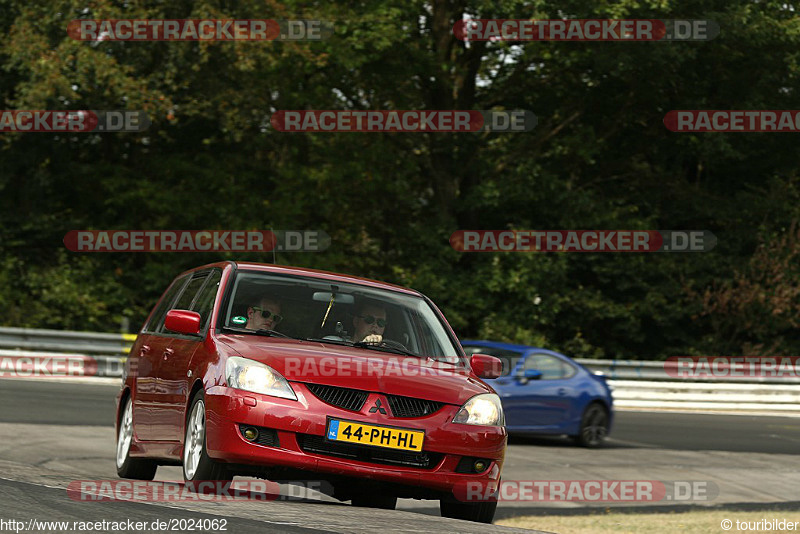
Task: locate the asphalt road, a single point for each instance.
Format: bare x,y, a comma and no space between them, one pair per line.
56,403
54,433
24,502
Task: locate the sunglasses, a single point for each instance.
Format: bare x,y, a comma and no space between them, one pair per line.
369,319
266,314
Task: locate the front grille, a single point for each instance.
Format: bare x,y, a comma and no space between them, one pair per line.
406,407
348,399
266,436
319,445
353,400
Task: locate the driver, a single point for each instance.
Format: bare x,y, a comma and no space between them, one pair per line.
265,315
369,323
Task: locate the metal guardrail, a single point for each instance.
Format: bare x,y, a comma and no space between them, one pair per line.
654,371
707,396
65,341
635,384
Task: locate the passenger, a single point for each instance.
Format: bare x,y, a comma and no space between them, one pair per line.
265,316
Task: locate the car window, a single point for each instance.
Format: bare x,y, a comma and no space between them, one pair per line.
184,302
330,311
186,298
205,299
157,318
551,367
508,357
569,370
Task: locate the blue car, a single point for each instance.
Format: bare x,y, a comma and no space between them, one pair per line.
545,392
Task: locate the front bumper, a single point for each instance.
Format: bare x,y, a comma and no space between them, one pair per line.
227,409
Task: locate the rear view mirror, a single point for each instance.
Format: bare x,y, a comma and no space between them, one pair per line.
183,322
485,366
338,298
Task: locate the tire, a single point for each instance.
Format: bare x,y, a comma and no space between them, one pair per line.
127,467
197,465
594,426
480,512
374,500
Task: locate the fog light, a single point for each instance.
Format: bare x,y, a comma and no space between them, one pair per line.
479,466
250,433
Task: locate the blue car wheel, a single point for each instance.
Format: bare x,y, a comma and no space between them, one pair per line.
594,426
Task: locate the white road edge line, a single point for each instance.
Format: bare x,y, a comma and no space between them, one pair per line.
705,412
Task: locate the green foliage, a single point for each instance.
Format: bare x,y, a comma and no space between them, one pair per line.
599,158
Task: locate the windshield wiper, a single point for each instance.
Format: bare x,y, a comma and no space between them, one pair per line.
386,348
261,332
374,346
334,341
362,345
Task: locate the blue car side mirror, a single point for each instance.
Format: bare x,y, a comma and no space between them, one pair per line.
529,374
532,374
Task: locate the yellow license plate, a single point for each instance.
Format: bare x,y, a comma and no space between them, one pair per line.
378,436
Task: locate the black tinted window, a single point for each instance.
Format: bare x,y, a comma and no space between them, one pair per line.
187,297
164,304
205,300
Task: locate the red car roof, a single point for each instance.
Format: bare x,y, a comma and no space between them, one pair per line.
301,271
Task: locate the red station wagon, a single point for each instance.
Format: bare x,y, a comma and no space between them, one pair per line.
278,372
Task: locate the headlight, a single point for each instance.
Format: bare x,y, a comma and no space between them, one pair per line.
254,376
484,409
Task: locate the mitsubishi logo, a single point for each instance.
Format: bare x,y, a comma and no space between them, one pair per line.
378,407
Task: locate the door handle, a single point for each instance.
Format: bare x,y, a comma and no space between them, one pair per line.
168,353
144,350
562,391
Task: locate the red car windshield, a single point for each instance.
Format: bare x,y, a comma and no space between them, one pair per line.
339,313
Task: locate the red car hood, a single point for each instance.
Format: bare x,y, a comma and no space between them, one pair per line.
359,368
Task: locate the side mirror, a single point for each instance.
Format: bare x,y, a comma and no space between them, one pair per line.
485,366
183,322
528,375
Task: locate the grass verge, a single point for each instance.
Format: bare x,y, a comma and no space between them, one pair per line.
695,522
